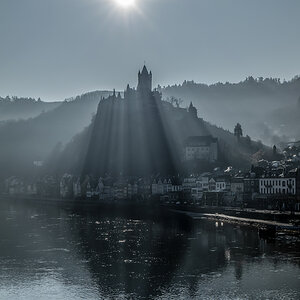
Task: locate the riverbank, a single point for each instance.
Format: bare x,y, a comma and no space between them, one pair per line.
281,221
134,208
280,227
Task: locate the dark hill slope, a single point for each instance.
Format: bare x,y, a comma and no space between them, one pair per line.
145,138
26,141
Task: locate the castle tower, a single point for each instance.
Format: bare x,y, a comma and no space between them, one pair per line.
144,81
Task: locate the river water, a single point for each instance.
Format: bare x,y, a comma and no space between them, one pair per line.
49,252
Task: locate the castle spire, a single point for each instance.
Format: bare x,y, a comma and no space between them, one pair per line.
144,80
145,71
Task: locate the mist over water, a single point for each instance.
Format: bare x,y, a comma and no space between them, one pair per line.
52,252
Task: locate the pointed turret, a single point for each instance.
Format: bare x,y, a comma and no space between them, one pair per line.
145,71
144,81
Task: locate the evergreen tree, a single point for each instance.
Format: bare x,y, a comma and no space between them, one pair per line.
238,132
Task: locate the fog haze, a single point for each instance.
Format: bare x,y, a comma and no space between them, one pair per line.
60,48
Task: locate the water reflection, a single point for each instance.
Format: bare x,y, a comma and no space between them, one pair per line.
64,253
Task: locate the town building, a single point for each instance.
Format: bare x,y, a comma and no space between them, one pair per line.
277,185
251,185
132,189
188,184
14,185
237,185
66,186
77,188
165,186
222,185
201,148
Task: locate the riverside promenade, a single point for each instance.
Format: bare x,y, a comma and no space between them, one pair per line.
282,221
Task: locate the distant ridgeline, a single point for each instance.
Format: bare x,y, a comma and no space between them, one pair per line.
14,108
139,134
267,108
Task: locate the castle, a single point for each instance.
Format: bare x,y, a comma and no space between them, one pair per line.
144,81
139,134
143,92
131,134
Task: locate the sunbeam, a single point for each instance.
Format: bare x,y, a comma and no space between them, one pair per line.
125,3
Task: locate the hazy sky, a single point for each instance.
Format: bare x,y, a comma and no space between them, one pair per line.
55,49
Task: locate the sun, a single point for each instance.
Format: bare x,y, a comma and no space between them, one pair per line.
125,3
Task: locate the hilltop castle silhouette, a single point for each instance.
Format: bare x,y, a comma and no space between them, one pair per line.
143,93
130,133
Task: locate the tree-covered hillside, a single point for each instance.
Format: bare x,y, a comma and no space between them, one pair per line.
266,107
14,108
26,141
146,137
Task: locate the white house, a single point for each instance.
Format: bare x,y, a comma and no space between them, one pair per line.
201,147
221,185
277,185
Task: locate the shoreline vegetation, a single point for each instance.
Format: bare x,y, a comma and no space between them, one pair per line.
268,222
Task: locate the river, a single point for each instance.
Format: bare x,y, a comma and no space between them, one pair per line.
50,252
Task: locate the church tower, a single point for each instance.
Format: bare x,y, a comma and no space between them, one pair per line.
144,81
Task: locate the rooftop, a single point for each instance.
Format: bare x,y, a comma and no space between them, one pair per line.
196,141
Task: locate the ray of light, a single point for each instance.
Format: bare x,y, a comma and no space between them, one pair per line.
125,3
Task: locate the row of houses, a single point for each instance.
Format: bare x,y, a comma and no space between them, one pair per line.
104,188
271,185
252,188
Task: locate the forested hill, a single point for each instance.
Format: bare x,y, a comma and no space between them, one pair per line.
136,138
261,105
26,141
59,133
14,108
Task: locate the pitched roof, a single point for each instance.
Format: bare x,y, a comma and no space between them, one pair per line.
195,141
145,70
